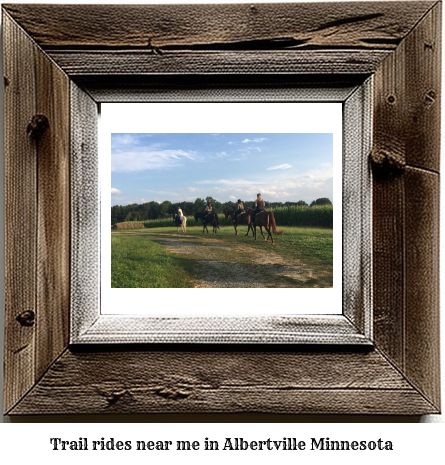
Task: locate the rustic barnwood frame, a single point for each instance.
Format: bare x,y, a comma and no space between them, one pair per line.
84,55
89,321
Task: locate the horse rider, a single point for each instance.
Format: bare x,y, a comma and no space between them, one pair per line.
260,206
240,209
180,215
207,210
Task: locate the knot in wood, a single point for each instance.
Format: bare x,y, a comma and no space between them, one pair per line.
26,318
114,397
172,393
37,126
387,163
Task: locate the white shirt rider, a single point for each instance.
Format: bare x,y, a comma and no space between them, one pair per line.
181,216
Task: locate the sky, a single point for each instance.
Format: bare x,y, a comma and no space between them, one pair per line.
177,167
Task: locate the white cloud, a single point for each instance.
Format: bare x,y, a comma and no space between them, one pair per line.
280,167
256,140
228,182
124,139
149,160
220,155
279,185
232,143
232,197
115,191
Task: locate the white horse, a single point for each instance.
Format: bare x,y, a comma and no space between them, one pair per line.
183,224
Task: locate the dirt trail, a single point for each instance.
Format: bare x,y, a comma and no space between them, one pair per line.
219,263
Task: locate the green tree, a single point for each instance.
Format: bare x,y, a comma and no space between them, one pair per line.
321,201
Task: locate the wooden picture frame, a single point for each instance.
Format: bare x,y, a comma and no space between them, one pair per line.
56,71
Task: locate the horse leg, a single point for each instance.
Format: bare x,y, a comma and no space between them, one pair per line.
261,229
254,232
269,233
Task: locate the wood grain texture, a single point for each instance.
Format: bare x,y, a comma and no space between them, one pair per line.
388,268
357,209
53,229
388,200
85,210
218,88
37,218
274,26
406,127
78,63
223,382
20,211
112,329
423,91
422,364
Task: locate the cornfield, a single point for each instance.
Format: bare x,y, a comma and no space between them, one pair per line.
304,216
165,222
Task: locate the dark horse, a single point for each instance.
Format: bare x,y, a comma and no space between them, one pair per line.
210,218
267,220
241,218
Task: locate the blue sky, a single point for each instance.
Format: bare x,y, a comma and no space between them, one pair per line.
177,167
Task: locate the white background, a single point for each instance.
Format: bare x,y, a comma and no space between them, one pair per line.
225,118
26,443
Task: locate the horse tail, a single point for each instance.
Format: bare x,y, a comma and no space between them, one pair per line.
273,224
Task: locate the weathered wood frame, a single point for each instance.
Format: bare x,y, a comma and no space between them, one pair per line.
93,53
90,323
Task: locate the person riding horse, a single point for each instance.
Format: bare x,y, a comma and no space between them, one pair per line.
260,205
240,209
180,215
207,210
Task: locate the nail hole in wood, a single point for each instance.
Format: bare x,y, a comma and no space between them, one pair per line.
391,99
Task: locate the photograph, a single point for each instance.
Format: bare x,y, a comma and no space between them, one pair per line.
204,210
215,140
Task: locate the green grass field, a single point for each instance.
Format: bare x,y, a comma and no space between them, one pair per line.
138,262
163,258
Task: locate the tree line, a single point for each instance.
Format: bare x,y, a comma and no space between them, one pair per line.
154,210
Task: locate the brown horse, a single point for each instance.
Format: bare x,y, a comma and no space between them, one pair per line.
267,220
228,214
240,219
